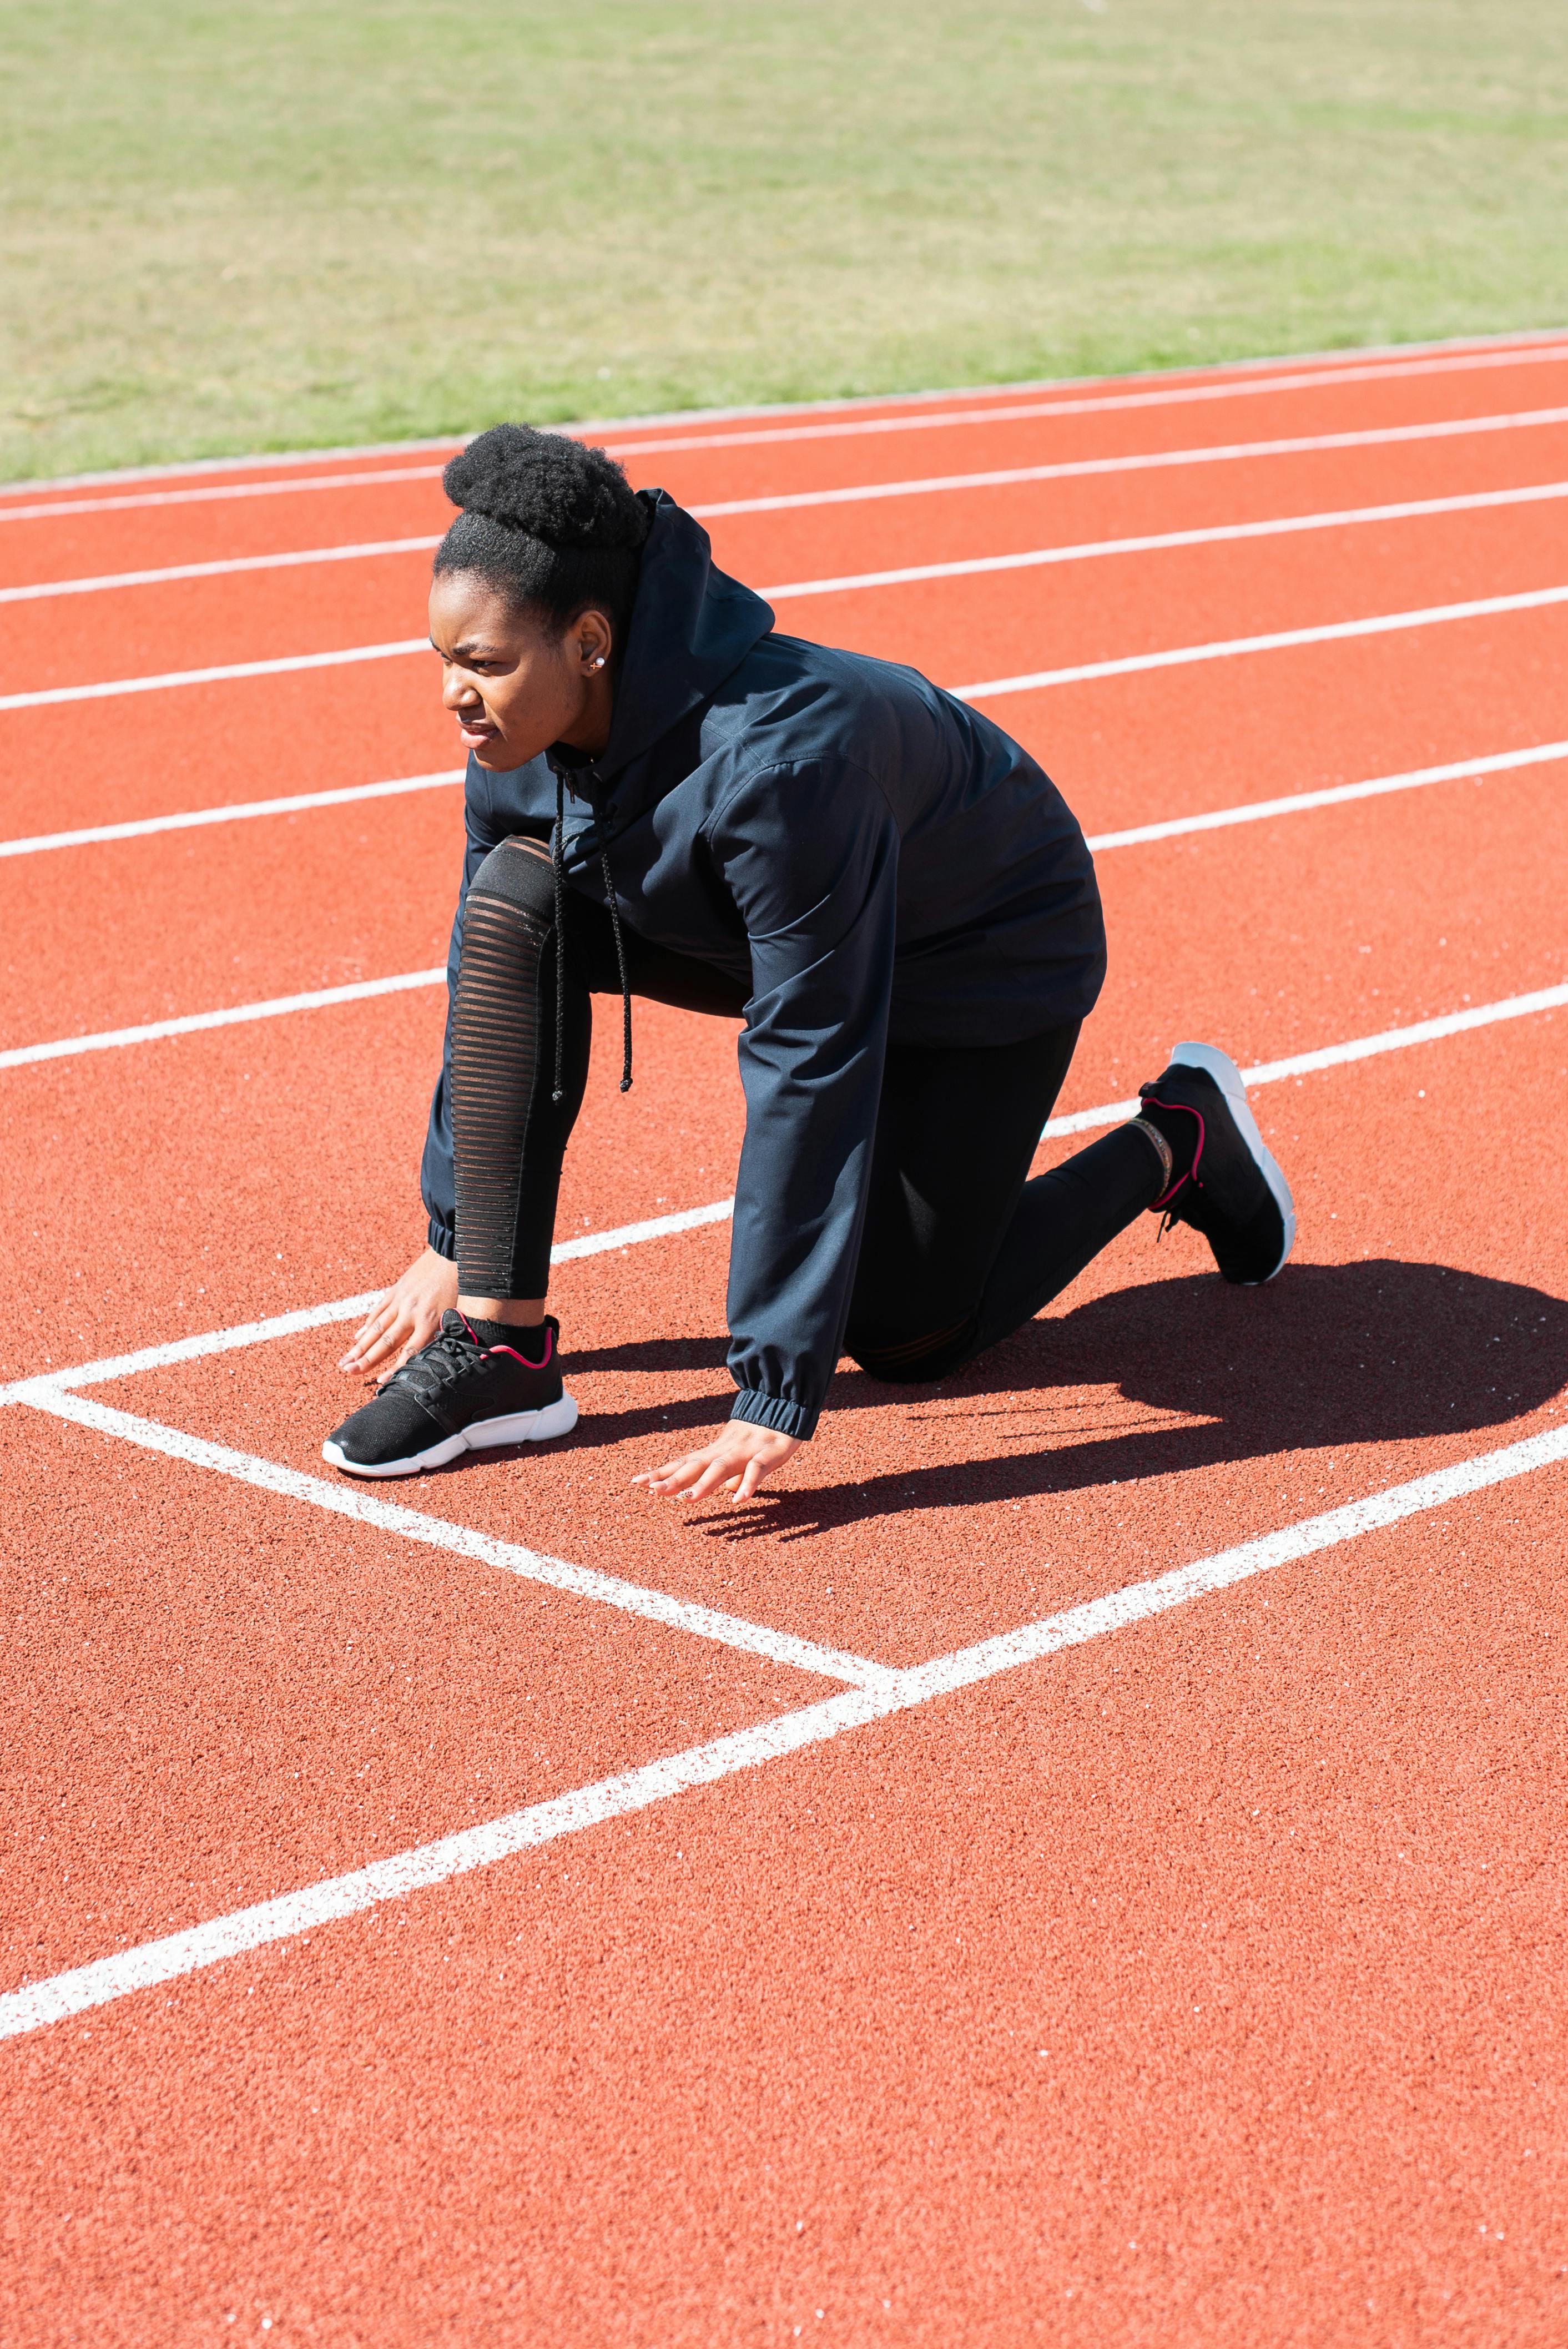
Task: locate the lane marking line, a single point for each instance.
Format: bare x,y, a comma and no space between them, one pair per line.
1557,354
173,1955
347,1500
341,1308
1327,362
236,811
1079,467
221,568
1335,796
717,1211
221,674
1176,656
1335,1056
1162,541
1168,828
1080,551
110,1040
1380,623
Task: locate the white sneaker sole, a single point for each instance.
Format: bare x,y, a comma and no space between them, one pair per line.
1228,1077
518,1427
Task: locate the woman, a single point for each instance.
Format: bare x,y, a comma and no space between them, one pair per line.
665,797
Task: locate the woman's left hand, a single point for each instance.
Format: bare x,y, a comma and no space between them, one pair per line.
736,1463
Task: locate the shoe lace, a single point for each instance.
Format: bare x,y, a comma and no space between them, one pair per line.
439,1364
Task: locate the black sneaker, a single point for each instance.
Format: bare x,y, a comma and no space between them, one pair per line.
455,1396
1234,1192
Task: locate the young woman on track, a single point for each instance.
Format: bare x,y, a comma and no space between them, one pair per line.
665,797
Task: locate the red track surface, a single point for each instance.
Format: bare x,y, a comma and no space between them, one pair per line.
1191,1985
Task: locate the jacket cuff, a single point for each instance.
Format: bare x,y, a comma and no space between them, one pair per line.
773,1411
443,1238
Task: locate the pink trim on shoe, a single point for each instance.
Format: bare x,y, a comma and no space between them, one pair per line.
542,1364
1153,1100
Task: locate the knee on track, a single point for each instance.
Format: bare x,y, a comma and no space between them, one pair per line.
913,1362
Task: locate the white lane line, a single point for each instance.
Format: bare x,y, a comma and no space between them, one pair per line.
341,1308
1028,411
53,1999
237,811
1160,541
65,1048
1212,820
221,569
1380,623
348,1500
1333,1056
1079,467
1326,632
1499,762
923,420
227,670
717,1211
213,492
1082,551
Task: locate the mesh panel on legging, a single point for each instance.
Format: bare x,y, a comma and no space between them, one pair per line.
508,1134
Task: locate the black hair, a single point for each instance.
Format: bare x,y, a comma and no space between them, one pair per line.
547,521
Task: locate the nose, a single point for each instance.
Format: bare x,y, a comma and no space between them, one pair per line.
459,691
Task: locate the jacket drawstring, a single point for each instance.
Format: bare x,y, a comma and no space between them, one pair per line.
558,877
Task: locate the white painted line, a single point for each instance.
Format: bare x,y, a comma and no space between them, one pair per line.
1158,542
1469,349
1083,551
345,1499
1329,632
1336,795
65,1048
1212,820
717,1211
341,1308
1333,1056
1229,452
221,492
218,570
54,694
1299,444
1035,680
237,811
1030,411
175,1955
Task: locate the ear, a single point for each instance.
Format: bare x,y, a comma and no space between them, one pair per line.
591,640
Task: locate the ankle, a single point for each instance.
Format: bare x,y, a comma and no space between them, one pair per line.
530,1339
1178,1134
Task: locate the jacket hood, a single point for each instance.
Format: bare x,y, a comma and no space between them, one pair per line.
692,625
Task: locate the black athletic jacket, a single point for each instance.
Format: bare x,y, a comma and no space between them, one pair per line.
873,859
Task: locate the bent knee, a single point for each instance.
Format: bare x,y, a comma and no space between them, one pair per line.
910,1361
519,872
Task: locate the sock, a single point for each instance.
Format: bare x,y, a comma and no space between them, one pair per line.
1178,1130
525,1339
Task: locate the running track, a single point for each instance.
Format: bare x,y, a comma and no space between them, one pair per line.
1080,1861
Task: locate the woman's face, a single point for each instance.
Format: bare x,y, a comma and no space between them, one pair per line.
514,682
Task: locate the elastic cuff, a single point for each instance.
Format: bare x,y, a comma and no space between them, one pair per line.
443,1238
773,1411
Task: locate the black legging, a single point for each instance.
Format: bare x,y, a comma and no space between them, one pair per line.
960,1248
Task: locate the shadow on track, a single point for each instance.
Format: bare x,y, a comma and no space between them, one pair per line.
1331,1355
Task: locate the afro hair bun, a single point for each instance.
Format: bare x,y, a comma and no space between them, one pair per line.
554,489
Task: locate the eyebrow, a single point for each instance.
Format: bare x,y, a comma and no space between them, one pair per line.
467,647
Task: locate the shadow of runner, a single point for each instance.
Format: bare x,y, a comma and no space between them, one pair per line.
1333,1354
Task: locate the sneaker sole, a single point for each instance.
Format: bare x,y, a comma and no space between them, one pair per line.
1228,1077
517,1427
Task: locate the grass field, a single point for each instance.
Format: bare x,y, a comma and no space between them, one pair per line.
272,225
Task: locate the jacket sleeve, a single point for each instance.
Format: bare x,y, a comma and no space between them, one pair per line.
485,828
810,853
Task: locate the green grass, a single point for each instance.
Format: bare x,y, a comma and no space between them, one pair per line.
266,225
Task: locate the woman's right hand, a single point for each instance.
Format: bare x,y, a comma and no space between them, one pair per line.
406,1319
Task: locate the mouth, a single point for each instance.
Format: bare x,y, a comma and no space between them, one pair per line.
475,732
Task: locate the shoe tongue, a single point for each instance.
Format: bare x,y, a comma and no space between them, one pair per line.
454,1325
